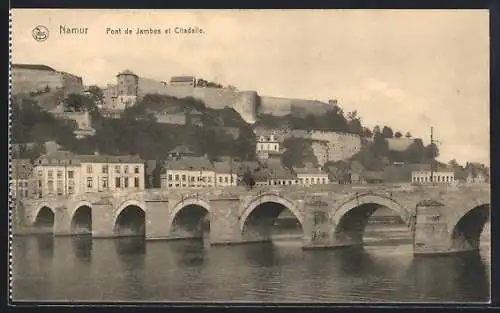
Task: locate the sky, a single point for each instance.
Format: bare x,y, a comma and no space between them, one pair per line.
409,69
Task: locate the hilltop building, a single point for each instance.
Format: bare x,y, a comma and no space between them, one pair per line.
37,78
129,86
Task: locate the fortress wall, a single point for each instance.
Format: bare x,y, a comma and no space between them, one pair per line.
275,106
329,146
216,98
147,85
341,146
71,83
245,105
28,80
304,107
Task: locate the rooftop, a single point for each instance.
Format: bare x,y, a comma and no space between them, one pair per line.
188,164
181,78
308,170
127,72
39,67
182,149
102,158
225,167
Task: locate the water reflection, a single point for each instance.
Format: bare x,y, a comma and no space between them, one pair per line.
78,268
190,254
45,244
450,278
82,247
260,254
130,245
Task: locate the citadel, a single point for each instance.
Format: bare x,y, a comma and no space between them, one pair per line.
129,87
249,104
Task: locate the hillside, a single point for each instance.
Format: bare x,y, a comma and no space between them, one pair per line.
137,132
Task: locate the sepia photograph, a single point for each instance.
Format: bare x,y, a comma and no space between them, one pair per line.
249,156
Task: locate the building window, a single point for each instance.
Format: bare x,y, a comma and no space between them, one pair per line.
117,169
104,169
220,179
170,177
71,174
104,182
89,182
125,182
50,174
40,173
125,169
26,193
209,179
136,182
183,177
176,177
226,179
117,182
50,185
136,170
59,174
89,169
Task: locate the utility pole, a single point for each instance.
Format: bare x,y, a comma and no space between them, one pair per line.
433,143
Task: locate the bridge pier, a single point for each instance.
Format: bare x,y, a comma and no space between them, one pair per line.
103,220
432,235
225,221
62,221
157,217
319,229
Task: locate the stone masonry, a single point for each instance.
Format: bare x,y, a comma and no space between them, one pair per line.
442,219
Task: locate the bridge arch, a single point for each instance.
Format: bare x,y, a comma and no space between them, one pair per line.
352,216
44,217
260,214
81,218
189,218
130,218
465,229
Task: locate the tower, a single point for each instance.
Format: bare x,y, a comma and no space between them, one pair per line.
127,88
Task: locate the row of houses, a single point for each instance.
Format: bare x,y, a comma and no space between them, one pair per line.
63,173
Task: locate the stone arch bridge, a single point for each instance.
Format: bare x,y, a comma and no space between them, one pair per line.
442,219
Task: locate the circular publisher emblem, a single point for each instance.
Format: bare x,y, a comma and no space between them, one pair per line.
40,33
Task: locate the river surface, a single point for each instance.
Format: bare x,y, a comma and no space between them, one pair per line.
131,269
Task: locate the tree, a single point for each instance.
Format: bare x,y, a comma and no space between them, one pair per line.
387,132
398,135
376,129
367,133
380,145
248,179
78,103
453,163
415,152
408,135
431,151
96,94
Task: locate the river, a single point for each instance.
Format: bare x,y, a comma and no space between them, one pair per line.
131,269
